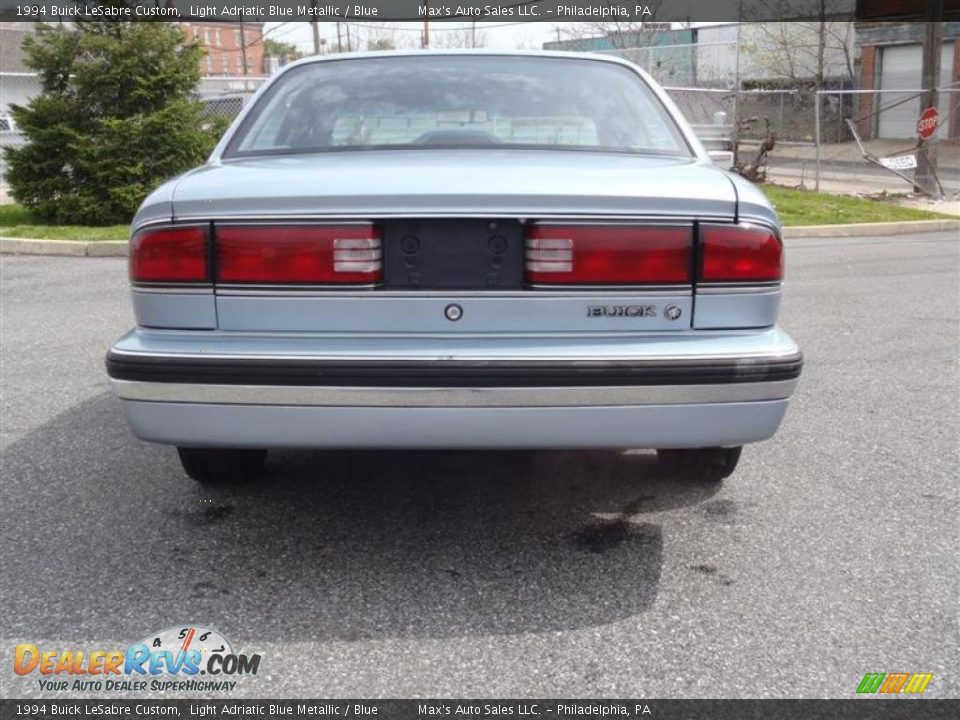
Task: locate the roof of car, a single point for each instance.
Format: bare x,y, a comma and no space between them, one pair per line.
461,51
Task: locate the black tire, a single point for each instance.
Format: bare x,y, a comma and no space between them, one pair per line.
222,466
702,464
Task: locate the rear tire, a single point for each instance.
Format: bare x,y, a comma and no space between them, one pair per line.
222,466
702,464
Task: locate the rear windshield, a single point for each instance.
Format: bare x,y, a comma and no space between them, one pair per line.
459,102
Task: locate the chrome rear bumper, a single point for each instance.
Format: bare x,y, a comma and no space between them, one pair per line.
217,390
439,397
299,426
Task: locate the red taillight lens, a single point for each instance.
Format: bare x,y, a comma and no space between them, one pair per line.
739,253
608,254
305,254
173,254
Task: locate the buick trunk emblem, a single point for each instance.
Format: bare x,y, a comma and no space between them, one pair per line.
453,312
673,312
637,311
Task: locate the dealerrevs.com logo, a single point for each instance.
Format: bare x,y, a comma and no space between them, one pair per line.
173,659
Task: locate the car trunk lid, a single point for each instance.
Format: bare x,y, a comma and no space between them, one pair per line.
412,183
454,227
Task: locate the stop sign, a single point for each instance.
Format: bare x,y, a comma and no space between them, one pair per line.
928,122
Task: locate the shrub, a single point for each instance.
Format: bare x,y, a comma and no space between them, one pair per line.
115,117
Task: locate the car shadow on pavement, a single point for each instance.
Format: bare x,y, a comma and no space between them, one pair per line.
105,537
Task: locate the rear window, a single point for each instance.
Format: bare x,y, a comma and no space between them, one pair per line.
459,102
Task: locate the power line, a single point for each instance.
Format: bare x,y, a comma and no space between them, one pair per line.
434,28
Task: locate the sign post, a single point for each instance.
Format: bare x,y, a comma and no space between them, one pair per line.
925,177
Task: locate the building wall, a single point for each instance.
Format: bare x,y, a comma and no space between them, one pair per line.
222,44
715,55
668,55
650,35
872,37
12,35
770,52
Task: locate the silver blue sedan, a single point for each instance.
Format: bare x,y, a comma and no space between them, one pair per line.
456,250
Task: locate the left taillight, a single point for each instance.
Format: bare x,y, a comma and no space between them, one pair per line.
608,254
170,255
299,254
740,253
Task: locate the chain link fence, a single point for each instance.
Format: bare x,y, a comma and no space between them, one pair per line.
226,96
15,89
878,143
812,132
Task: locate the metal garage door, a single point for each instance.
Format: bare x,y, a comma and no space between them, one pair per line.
900,67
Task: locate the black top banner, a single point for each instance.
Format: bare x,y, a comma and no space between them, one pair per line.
863,709
432,10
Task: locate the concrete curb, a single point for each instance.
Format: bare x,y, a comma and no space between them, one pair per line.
870,229
118,248
71,248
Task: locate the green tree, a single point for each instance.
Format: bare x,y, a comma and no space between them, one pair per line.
284,51
114,118
381,43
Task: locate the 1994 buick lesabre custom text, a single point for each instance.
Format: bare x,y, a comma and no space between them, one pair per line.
456,250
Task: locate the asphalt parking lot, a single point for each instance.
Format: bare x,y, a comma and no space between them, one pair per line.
830,553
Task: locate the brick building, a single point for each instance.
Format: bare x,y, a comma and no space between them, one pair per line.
226,43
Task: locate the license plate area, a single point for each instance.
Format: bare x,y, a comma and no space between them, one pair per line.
453,254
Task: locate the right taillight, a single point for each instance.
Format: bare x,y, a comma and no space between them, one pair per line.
739,253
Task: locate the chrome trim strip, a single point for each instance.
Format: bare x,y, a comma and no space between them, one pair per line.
605,290
580,292
647,223
198,221
134,229
733,289
746,222
330,290
738,285
280,220
704,358
184,289
334,218
450,397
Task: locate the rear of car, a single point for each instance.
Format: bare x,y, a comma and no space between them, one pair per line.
456,251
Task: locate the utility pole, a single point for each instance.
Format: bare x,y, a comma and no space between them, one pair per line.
316,29
925,176
425,38
339,39
243,53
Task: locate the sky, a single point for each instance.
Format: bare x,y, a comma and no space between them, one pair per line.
493,34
